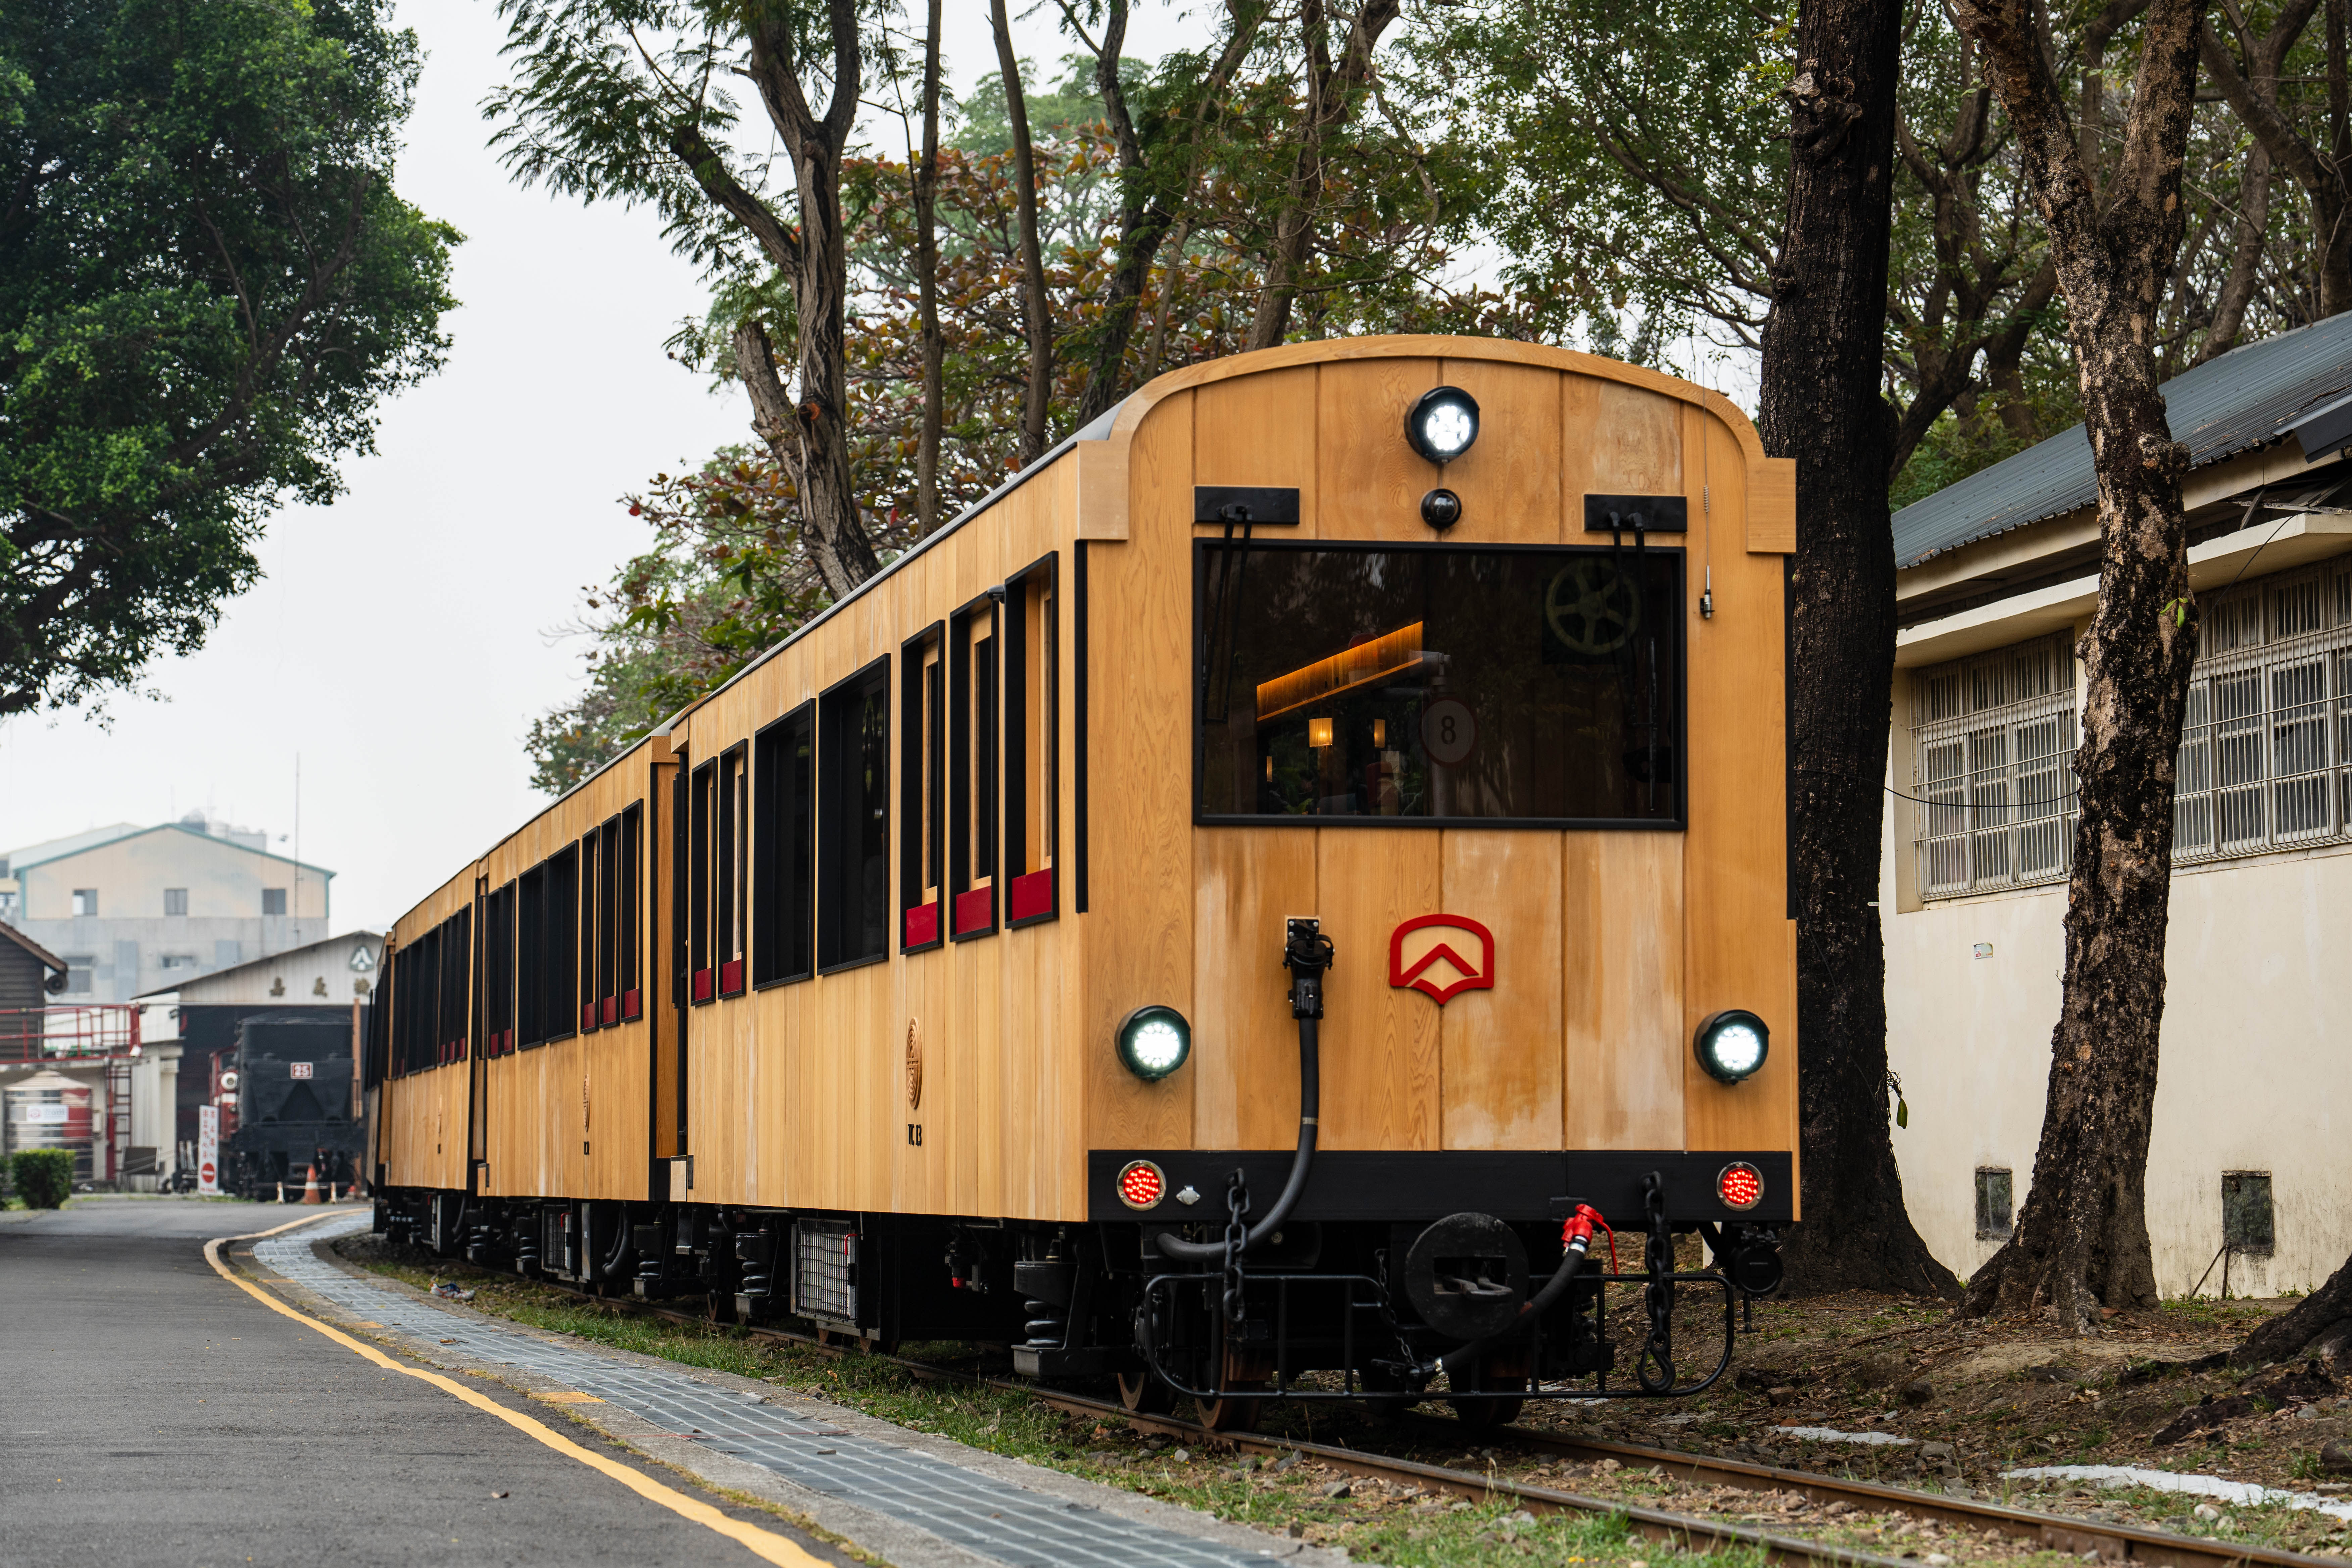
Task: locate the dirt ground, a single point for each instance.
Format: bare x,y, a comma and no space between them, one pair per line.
1982,1397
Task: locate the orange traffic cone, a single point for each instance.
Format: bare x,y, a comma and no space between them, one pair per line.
311,1187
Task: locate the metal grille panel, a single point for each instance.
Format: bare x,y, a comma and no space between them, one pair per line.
824,1271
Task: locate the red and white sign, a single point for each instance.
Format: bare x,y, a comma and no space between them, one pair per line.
208,1149
298,1070
1441,956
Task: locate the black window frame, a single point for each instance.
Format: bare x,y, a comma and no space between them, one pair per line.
701,975
783,849
730,901
563,937
1018,863
629,957
498,970
838,762
530,956
922,776
1205,552
975,766
591,877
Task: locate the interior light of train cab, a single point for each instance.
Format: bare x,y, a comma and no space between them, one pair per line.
1731,1043
1442,424
1429,683
1153,1042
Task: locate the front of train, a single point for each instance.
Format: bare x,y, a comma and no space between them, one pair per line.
1488,813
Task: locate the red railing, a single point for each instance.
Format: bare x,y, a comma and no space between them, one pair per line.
68,1034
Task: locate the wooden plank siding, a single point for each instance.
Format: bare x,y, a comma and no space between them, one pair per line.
1609,946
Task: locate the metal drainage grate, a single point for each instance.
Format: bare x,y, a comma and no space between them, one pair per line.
981,1512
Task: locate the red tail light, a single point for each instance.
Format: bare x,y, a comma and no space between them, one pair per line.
1740,1186
1142,1184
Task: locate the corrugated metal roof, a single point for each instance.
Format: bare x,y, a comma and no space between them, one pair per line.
2243,399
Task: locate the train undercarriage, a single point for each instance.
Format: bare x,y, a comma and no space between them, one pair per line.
1359,1312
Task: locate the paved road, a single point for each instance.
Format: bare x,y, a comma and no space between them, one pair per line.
152,1412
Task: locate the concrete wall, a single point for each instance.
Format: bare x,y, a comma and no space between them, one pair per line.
2255,1071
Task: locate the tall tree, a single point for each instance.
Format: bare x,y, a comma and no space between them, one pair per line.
1330,91
2248,79
207,285
618,98
2081,1240
927,270
1824,362
1039,330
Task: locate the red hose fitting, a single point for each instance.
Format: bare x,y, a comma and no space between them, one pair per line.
1579,1227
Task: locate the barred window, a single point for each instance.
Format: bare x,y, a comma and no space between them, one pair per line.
2265,758
1993,773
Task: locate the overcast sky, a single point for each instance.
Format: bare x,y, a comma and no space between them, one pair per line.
397,644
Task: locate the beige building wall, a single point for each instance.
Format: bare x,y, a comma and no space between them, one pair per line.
224,880
2255,1072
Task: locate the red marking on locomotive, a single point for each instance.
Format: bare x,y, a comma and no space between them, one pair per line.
1470,975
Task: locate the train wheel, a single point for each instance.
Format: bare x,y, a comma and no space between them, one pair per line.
1238,1410
1500,1394
1144,1394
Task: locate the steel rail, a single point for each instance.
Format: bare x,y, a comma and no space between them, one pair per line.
2108,1542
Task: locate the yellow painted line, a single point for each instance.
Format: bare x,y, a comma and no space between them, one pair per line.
764,1544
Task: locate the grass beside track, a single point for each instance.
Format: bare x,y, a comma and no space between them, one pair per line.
1372,1521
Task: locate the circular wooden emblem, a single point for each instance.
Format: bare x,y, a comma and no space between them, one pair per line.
914,1066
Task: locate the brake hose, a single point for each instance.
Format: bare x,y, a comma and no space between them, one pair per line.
1308,953
1577,1235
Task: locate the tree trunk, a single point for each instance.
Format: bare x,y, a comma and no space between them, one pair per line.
1824,356
1330,97
1142,224
1040,389
2082,1236
2285,1336
927,286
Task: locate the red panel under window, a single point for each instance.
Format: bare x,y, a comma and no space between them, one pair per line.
1031,895
587,1015
731,977
975,910
631,1005
612,1009
702,979
923,924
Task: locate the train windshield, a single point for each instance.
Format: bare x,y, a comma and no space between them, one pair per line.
1528,685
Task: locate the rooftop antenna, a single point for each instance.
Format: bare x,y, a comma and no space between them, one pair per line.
295,930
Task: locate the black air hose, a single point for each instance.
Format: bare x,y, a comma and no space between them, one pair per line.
1308,953
1455,1363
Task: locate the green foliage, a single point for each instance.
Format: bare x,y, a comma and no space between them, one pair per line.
43,1177
207,283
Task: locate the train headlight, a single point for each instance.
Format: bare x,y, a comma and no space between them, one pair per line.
1731,1045
1442,424
1153,1042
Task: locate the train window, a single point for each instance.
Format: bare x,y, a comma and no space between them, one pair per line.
1032,730
854,819
783,822
629,979
729,941
703,796
1395,683
608,922
973,716
457,991
923,774
591,878
499,971
531,939
562,940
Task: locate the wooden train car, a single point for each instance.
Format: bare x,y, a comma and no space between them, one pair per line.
1232,905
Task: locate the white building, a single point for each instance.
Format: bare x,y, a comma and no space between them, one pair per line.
136,909
1997,578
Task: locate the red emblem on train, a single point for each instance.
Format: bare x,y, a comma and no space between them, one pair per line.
1441,956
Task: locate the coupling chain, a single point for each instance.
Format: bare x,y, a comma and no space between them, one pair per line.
1237,1206
1655,1369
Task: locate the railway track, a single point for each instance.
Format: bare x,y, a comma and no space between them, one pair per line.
2090,1539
